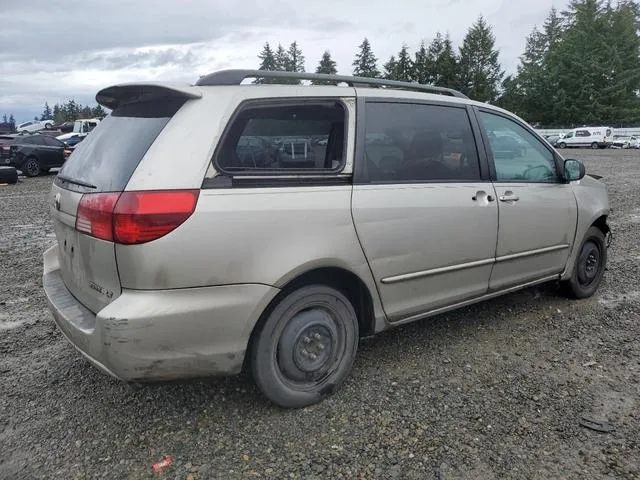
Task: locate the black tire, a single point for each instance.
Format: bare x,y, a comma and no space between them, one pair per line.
48,126
590,265
306,347
8,175
31,167
595,145
562,145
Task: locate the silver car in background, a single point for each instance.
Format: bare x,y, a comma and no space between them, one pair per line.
186,247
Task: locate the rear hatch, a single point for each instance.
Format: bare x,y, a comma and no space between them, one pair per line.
88,186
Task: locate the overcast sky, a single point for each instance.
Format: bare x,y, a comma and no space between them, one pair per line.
54,50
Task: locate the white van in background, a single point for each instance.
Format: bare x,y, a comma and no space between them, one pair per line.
594,137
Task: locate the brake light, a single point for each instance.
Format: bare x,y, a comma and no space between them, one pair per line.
131,218
95,215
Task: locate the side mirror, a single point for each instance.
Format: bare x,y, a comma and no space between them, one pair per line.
573,170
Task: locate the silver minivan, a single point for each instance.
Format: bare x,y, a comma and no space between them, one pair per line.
188,245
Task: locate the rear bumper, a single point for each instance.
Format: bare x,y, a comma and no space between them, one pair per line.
155,335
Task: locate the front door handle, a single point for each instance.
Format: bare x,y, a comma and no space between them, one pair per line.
508,197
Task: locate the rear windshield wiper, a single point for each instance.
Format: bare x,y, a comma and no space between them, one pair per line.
76,182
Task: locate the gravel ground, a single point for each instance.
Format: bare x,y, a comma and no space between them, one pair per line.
496,390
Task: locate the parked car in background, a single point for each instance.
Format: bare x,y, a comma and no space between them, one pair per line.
554,139
591,137
162,272
65,127
34,126
621,141
33,154
74,140
80,127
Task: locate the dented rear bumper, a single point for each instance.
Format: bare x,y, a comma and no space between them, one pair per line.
150,335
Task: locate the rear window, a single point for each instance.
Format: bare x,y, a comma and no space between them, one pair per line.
109,155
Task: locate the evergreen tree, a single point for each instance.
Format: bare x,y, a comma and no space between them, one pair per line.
46,112
326,66
12,121
4,118
98,112
58,118
365,63
86,112
480,71
583,65
281,58
267,62
295,59
443,62
422,65
404,66
390,68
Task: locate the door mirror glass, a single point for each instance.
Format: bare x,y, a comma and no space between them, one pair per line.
573,170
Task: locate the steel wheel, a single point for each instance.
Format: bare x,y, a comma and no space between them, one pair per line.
306,347
589,266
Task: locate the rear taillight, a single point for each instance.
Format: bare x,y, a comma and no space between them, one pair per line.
95,215
132,218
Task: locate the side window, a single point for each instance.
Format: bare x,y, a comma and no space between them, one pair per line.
52,142
415,143
517,154
285,137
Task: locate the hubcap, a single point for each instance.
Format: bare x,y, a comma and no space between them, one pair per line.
309,346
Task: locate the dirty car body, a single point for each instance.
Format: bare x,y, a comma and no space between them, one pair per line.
166,269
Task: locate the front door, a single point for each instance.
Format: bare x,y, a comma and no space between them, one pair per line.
537,210
425,216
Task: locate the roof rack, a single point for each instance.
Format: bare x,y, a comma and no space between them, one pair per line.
236,77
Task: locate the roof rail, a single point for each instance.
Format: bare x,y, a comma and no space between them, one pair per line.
235,77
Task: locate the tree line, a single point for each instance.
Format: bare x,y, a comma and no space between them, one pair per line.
582,66
62,112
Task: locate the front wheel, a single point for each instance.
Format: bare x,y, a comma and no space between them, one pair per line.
589,267
48,126
562,145
595,145
306,347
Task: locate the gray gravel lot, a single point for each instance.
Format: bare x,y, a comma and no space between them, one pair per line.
496,390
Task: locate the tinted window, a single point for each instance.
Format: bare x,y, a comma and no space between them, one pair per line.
108,157
36,140
284,138
409,142
53,142
517,154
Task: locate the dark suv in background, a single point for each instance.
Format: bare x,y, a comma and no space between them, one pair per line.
33,154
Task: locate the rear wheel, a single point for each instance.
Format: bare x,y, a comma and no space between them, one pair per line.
589,267
595,145
31,167
306,347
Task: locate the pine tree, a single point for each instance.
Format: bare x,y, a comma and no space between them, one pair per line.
583,65
365,63
58,117
404,66
86,112
422,65
326,66
390,68
480,71
281,58
98,112
267,62
12,121
442,62
295,59
46,112
4,118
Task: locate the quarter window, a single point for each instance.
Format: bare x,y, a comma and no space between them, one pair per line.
517,154
285,137
419,143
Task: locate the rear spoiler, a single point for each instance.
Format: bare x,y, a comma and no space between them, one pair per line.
113,97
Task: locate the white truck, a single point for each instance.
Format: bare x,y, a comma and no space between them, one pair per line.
592,137
81,127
